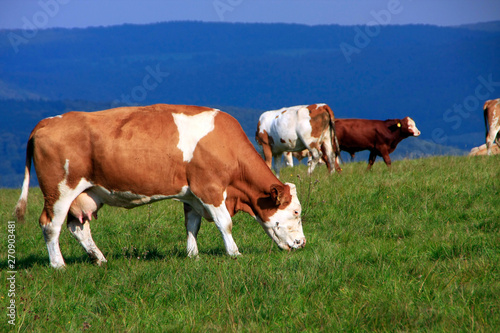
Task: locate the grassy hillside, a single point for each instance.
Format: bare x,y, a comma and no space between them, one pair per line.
415,249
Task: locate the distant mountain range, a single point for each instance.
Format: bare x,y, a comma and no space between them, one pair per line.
440,76
485,26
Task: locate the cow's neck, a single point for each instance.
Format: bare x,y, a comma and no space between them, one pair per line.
397,138
252,194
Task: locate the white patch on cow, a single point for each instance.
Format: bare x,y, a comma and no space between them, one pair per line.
192,129
66,168
58,116
67,195
125,199
412,127
320,105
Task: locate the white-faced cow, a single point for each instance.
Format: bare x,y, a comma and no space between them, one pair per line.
380,137
296,128
132,156
492,117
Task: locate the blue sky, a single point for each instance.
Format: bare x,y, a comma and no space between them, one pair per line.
83,13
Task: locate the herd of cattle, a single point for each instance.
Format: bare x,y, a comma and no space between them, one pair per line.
315,129
132,156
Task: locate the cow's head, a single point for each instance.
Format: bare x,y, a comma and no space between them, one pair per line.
408,127
284,225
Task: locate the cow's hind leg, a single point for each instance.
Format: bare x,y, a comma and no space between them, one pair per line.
51,229
54,215
193,222
81,231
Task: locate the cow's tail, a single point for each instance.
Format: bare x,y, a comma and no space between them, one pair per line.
333,134
20,210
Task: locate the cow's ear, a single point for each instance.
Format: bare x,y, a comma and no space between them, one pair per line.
281,194
277,191
394,125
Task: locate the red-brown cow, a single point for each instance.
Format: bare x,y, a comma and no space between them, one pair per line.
492,117
132,156
378,136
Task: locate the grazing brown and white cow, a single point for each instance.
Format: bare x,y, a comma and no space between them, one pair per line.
132,156
378,136
492,117
293,129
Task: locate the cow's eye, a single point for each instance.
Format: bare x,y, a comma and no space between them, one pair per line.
277,225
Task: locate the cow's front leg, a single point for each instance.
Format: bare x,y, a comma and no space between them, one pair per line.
277,164
387,159
192,222
223,221
81,231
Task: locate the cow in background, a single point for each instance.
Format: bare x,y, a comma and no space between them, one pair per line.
482,150
492,117
378,136
293,129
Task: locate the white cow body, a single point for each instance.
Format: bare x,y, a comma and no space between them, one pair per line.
296,128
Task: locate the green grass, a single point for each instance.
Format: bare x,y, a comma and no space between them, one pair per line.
415,249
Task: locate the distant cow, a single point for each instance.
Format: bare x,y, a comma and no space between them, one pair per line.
482,150
378,136
492,117
133,156
296,128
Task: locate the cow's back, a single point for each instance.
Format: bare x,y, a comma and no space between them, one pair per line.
147,150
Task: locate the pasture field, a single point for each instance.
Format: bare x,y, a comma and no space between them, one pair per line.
415,249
